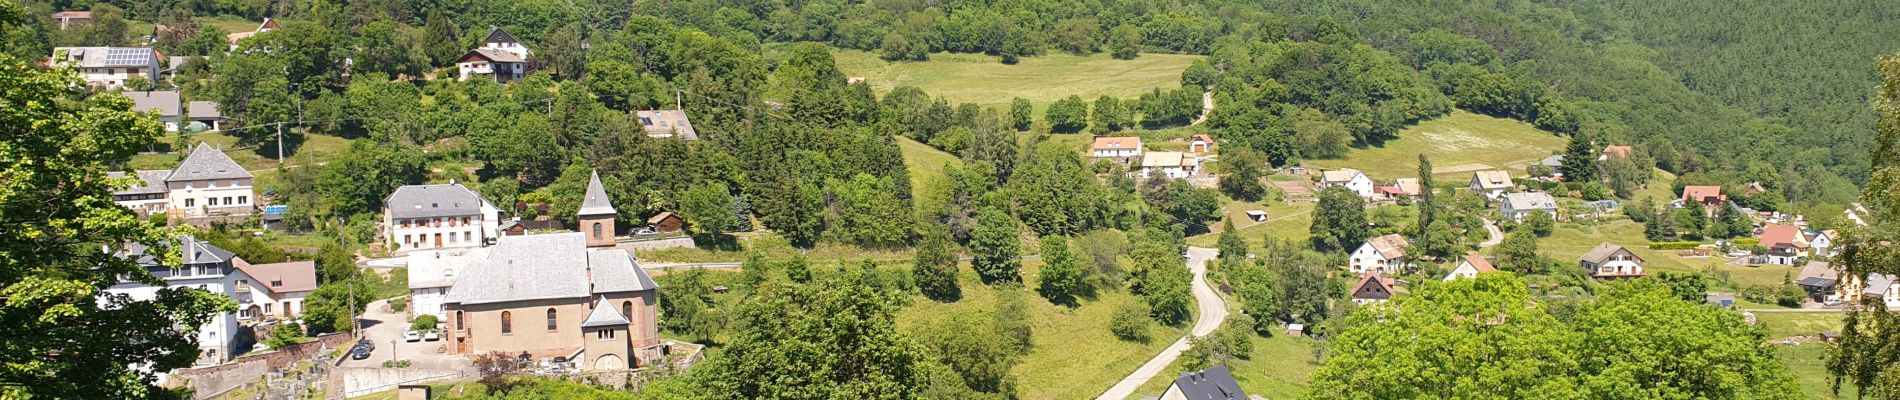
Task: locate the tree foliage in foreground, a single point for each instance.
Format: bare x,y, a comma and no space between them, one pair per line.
1486,338
64,337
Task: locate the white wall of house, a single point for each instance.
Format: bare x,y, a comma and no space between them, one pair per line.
144,204
472,230
1359,184
1367,258
478,67
1619,265
211,197
1117,153
1821,245
215,338
1518,215
428,301
1171,171
1464,270
113,78
258,302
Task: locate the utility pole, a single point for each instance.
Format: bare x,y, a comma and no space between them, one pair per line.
280,143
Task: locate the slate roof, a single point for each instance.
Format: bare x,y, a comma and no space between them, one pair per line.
547,266
287,277
203,110
1878,284
1210,384
1530,201
667,122
150,182
191,250
604,315
1817,274
207,163
1603,251
430,201
596,201
166,102
1552,161
496,35
1492,179
1116,143
108,57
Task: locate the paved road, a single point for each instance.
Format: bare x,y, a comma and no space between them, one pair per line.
1497,236
384,327
1213,310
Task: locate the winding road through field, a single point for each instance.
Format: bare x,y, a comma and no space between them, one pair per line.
1213,310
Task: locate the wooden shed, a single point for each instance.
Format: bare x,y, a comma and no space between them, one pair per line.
666,221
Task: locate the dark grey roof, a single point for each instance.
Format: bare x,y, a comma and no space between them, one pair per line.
192,251
1877,284
203,110
604,314
547,266
207,163
596,201
1530,201
427,201
1213,383
496,35
150,182
166,102
1815,281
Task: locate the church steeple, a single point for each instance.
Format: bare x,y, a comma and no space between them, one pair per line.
597,214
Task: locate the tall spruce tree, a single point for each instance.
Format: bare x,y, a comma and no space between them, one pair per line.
1580,160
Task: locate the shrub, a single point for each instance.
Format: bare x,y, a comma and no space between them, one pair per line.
1130,321
423,323
1791,295
398,304
1673,245
1746,242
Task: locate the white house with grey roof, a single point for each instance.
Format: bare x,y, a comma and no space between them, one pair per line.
207,113
207,184
164,103
1516,206
501,58
203,266
417,217
432,273
108,67
542,295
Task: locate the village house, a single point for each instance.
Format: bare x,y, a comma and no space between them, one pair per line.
207,184
1348,178
1172,164
1374,287
432,273
1402,188
1200,144
1819,280
109,67
1874,288
438,216
501,58
1383,253
205,112
164,103
273,291
1214,383
1610,261
1786,243
1516,206
1470,266
1118,148
1821,243
1492,184
550,295
1711,197
262,292
1615,151
68,19
667,124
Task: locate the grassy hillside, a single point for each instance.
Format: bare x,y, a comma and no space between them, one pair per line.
926,170
1457,144
981,79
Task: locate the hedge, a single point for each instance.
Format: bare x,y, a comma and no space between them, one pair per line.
1673,245
1746,241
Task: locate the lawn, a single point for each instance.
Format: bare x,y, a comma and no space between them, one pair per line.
1805,362
1075,356
1284,221
926,170
1784,324
982,79
1279,369
1456,144
1569,241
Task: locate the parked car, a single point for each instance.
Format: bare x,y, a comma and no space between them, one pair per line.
411,336
432,335
645,230
362,349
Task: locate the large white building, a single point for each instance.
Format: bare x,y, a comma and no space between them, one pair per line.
269,291
417,217
109,67
432,273
1610,261
1516,206
1348,178
206,184
1384,254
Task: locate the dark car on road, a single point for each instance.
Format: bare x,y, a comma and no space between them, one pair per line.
361,349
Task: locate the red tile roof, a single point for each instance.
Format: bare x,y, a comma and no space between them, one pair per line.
1618,151
1700,193
1779,234
1478,262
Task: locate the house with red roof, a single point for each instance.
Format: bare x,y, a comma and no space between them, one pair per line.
1470,266
1711,197
1786,243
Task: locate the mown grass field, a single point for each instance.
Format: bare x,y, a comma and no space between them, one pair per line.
1074,357
1805,361
984,80
925,165
1782,325
1279,369
1460,139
